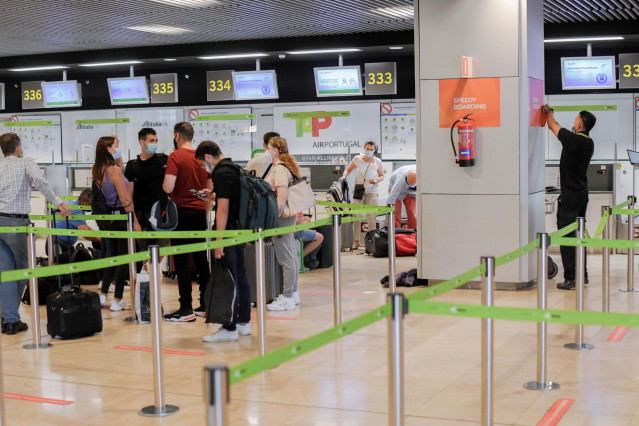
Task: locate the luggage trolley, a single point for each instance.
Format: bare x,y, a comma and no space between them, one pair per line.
552,195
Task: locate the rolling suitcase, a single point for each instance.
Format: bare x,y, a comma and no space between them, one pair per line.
274,278
325,251
346,236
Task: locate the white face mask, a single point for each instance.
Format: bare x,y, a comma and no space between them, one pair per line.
368,153
268,154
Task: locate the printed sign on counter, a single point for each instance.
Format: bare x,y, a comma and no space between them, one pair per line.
460,97
536,97
399,130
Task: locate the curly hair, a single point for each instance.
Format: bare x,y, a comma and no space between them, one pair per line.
285,157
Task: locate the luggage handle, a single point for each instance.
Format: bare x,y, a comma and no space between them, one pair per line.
54,252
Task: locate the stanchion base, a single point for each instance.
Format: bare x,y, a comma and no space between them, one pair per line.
130,319
575,346
541,386
153,411
625,290
40,346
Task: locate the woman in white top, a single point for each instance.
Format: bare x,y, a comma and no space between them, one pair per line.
369,173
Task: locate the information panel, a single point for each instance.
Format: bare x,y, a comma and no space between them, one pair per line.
338,81
399,131
255,85
230,128
629,70
164,88
596,72
380,78
61,94
31,94
219,86
41,136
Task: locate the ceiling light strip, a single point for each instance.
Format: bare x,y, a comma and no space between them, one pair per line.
106,64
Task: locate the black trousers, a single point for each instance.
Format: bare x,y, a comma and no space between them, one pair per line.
190,220
570,206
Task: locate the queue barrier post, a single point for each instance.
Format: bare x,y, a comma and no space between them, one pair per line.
337,271
51,225
605,263
36,333
392,283
630,275
260,288
159,409
487,343
541,383
130,227
580,269
3,421
217,394
396,358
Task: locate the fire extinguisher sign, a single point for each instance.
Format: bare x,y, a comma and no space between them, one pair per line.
460,97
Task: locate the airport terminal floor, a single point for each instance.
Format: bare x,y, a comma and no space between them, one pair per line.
106,379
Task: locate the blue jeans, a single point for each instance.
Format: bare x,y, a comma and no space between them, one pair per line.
234,260
13,255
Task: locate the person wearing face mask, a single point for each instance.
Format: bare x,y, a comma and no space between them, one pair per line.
146,176
369,173
403,189
117,153
577,148
261,164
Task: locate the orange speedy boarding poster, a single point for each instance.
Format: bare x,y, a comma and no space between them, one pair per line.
463,96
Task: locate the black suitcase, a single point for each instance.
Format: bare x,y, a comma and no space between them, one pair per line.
325,251
274,277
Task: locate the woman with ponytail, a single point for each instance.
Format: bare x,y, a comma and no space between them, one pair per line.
280,177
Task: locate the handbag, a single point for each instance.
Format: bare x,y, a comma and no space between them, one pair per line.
220,295
300,196
143,296
358,191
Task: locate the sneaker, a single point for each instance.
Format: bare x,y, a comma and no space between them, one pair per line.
282,304
244,329
221,335
103,300
180,316
296,297
566,285
200,312
122,305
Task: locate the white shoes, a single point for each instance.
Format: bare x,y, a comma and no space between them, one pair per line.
244,329
103,300
122,305
222,335
296,297
282,304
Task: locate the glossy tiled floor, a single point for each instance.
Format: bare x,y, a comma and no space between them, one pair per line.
344,383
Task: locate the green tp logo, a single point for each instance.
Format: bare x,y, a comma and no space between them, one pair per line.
312,125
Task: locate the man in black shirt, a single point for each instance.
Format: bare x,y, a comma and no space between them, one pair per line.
226,192
146,175
577,150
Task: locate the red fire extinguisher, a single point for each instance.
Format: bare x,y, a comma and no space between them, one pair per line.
466,142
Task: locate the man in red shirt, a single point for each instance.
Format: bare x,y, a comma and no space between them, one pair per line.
183,173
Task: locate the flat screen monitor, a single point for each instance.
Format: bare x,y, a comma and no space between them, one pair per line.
128,90
633,156
338,81
589,72
255,85
61,94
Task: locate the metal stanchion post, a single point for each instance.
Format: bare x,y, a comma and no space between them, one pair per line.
630,284
36,334
217,394
209,257
580,268
130,226
260,287
487,344
390,225
51,225
605,264
3,421
542,273
159,409
337,271
396,359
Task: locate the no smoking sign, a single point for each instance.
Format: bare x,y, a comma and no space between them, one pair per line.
386,109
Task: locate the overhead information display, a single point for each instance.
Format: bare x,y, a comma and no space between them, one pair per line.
219,86
230,128
61,94
164,88
380,78
255,85
31,94
594,72
40,135
338,81
128,90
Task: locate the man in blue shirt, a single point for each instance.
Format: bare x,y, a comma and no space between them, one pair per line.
403,188
64,244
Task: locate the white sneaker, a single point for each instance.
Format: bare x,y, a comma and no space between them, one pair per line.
122,305
102,300
296,297
221,335
282,304
244,329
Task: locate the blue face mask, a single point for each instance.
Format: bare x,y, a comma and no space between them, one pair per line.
368,153
117,154
210,168
151,148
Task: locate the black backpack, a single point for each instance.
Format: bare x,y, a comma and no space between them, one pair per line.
82,254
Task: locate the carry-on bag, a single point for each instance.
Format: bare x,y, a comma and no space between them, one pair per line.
376,242
220,295
346,236
325,251
143,296
274,278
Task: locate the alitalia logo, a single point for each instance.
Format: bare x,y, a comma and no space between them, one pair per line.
153,124
85,127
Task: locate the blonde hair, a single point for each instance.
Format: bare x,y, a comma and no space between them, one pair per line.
285,157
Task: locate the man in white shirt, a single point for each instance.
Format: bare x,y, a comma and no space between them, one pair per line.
262,163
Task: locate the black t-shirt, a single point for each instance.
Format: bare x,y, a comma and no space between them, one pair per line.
147,176
575,158
226,184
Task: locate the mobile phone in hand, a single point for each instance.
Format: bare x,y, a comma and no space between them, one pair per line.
198,193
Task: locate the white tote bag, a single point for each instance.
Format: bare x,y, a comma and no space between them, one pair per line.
300,196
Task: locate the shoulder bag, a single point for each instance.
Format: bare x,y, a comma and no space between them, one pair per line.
300,195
